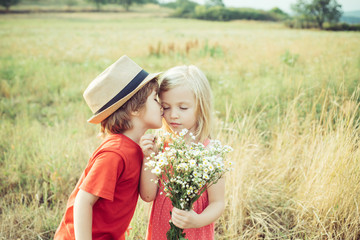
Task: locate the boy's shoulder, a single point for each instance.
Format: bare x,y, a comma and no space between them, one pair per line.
119,143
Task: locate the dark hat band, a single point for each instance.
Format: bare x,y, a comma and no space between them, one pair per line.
131,86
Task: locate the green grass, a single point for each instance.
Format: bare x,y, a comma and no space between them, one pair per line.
286,100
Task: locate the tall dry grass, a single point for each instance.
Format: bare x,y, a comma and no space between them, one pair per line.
286,100
302,183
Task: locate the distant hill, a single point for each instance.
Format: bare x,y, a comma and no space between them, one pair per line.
352,13
351,17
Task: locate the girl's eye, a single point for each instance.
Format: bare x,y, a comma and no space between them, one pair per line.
183,108
156,100
165,108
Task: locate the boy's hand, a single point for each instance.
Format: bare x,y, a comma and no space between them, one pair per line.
147,144
184,219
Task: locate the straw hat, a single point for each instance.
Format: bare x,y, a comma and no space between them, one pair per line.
113,87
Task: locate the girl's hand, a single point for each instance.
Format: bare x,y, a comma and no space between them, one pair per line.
147,144
184,219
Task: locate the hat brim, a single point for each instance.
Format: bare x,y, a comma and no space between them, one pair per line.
98,118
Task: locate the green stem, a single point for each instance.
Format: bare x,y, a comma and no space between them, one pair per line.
174,232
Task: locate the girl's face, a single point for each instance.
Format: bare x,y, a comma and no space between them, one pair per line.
179,108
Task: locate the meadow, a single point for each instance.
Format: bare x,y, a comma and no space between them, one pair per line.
286,100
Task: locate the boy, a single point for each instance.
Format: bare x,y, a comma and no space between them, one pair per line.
123,99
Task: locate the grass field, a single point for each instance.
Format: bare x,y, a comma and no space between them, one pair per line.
286,100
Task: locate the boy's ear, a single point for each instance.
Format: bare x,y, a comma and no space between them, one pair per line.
135,113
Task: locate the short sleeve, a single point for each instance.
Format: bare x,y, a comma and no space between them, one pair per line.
103,175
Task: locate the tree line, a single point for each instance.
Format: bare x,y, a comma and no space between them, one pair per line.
322,14
97,3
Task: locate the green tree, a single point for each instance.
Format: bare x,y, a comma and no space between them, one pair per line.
185,8
8,3
279,14
318,11
127,3
70,3
212,3
98,3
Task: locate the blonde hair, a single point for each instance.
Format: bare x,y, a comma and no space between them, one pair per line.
192,77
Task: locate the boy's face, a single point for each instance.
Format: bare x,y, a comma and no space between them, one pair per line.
152,112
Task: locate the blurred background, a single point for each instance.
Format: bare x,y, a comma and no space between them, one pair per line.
286,82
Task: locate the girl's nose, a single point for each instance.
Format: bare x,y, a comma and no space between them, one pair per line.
174,114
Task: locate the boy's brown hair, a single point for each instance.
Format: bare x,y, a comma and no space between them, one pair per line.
120,120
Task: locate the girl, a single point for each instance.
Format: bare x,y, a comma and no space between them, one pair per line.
186,98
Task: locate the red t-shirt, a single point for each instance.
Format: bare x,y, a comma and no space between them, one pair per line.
112,174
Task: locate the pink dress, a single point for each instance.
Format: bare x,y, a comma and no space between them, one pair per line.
160,216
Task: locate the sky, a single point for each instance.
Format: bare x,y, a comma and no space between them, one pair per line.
285,5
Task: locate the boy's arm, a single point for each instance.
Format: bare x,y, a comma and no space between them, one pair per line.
83,208
190,219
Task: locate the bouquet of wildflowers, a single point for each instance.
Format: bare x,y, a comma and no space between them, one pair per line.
187,170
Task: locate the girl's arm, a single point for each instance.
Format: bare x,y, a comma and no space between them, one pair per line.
148,189
83,208
190,219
